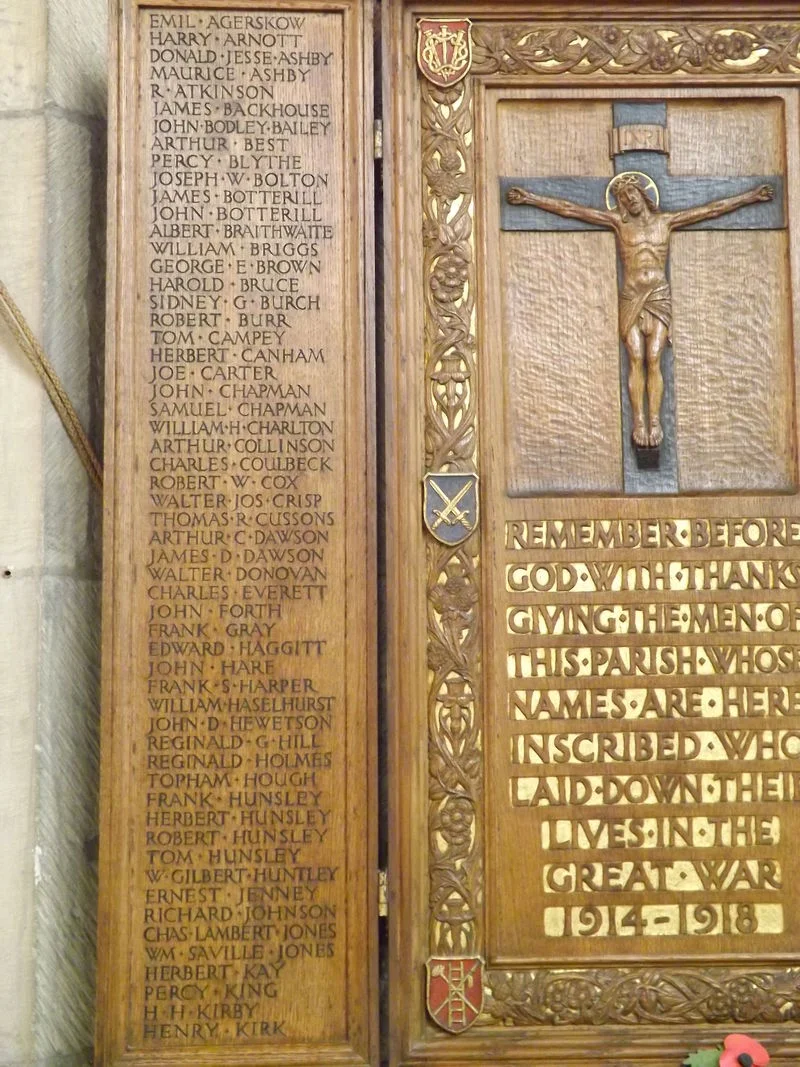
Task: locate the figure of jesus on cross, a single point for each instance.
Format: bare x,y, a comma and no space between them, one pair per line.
645,302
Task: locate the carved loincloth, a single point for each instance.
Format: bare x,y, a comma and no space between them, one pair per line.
635,303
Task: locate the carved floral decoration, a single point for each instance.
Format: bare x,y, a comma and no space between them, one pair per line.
455,773
763,48
622,995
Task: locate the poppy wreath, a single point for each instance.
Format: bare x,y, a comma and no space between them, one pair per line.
738,1050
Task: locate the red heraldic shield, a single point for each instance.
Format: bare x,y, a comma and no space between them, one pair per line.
444,50
455,992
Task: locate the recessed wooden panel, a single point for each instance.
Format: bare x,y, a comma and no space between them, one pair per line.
551,371
543,138
604,627
238,880
732,332
733,368
546,321
726,137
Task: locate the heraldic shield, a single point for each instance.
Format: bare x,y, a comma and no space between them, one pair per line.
444,50
455,992
451,506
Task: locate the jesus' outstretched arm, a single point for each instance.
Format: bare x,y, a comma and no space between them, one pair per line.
566,208
715,208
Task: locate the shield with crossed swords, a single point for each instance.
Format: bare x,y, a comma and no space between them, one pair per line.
455,991
451,506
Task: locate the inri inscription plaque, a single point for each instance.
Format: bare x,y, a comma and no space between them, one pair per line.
596,673
237,850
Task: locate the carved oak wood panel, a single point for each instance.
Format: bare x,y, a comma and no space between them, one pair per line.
531,645
238,889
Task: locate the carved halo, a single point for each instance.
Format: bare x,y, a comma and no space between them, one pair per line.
649,186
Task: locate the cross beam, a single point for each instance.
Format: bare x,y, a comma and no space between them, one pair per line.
677,193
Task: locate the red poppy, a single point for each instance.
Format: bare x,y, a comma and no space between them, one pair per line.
743,1051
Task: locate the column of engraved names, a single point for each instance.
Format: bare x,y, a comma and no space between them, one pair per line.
239,880
653,668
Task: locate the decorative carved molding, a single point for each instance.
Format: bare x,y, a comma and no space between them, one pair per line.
455,758
449,271
745,48
643,995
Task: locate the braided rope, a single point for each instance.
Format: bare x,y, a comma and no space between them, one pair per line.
15,320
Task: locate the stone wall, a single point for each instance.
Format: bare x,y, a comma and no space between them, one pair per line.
52,223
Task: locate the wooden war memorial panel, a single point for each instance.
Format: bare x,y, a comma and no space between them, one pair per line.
238,871
593,270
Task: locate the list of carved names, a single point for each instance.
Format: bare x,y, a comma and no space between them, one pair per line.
240,839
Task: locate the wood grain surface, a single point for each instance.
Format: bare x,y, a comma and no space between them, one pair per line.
560,349
733,367
593,702
238,863
543,138
726,137
561,363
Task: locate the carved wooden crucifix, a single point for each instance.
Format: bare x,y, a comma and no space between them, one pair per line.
643,204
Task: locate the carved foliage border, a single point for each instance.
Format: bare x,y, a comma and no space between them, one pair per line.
616,996
616,48
455,770
613,996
